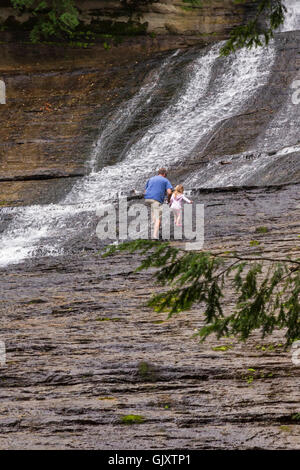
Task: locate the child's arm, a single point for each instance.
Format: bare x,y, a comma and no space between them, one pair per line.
187,200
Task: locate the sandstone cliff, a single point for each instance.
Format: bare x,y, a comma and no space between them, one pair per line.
212,17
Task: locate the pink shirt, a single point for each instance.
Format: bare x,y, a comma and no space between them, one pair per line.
177,202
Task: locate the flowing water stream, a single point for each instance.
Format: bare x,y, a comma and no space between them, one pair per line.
214,90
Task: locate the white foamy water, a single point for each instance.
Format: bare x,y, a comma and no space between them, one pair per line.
32,226
245,171
200,107
209,97
292,18
281,133
121,119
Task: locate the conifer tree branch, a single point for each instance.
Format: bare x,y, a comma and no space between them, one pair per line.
266,291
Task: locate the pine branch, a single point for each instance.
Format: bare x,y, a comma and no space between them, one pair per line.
252,34
266,290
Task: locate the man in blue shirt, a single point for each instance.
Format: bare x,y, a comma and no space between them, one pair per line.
156,189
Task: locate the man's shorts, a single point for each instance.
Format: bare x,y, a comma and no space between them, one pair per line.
156,208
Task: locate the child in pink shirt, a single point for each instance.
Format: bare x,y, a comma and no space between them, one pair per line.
176,203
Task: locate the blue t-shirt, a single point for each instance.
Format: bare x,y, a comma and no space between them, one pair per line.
156,188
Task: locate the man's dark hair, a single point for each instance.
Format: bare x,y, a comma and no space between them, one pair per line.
162,171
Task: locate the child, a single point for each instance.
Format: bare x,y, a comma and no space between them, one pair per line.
176,203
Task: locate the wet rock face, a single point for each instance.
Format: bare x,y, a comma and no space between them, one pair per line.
83,350
259,145
57,100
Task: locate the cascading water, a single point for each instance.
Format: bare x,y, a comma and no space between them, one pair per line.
292,19
216,90
195,113
280,138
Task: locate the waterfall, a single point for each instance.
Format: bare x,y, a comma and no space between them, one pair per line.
202,105
126,114
292,18
281,136
215,90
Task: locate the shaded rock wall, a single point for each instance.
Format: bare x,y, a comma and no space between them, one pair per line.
162,17
172,16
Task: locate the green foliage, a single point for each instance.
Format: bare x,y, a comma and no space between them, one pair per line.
254,243
143,368
261,229
107,319
60,18
132,419
252,34
285,428
194,2
191,4
53,17
222,348
269,347
146,371
266,291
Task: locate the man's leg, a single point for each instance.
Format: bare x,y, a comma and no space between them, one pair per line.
156,211
155,215
156,228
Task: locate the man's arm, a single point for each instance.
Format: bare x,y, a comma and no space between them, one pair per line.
169,194
169,189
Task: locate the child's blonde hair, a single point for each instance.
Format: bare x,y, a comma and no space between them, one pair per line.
178,190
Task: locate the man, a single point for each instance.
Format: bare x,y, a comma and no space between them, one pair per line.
156,189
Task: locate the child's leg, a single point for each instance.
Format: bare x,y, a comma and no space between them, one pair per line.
175,215
178,217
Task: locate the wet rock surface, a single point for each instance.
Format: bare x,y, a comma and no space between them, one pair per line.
58,98
83,350
254,142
